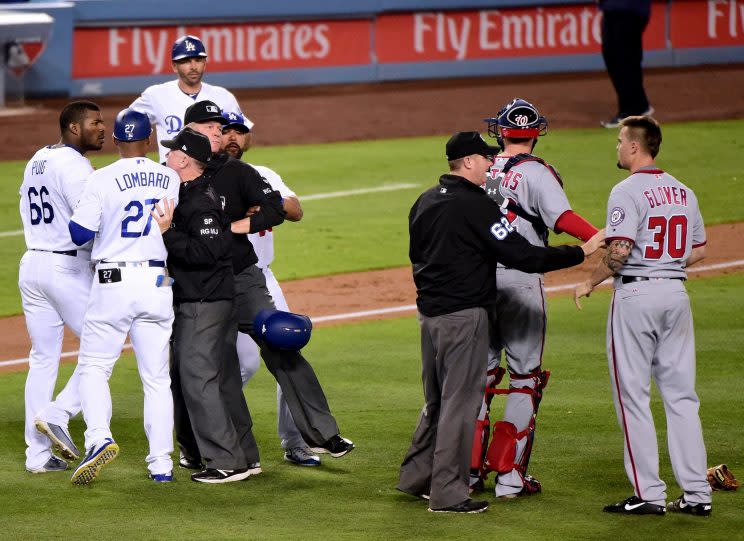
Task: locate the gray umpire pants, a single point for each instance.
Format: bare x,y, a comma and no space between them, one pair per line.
454,353
300,386
211,416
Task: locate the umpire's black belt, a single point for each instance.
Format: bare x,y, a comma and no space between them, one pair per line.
72,253
629,279
150,263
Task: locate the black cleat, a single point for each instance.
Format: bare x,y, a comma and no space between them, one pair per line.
635,506
215,476
336,447
680,505
468,506
189,463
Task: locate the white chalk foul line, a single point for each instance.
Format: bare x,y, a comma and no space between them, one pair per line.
311,197
412,307
360,191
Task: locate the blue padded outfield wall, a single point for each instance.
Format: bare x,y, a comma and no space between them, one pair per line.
100,47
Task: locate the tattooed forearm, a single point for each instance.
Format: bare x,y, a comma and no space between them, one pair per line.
617,254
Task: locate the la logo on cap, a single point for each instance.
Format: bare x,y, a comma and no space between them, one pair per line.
233,116
190,46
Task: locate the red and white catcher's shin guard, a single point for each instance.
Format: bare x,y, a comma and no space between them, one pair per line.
482,430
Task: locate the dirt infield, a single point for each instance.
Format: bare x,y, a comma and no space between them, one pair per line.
358,112
375,290
405,109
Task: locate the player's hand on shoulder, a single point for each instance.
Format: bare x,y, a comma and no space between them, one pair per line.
162,213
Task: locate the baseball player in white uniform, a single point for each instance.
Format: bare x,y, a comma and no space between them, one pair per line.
54,277
131,293
165,103
654,231
237,137
532,197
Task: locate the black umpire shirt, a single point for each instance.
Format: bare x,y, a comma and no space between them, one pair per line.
240,187
457,235
199,245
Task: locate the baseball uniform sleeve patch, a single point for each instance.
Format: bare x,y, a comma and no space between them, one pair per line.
617,216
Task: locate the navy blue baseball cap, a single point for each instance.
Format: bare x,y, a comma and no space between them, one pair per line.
188,47
131,125
236,121
467,143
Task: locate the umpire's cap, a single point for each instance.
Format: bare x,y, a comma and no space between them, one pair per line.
131,125
467,143
188,47
191,143
203,111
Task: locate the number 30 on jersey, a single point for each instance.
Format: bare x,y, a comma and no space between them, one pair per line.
501,229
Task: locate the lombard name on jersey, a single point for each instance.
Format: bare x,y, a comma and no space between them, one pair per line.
137,179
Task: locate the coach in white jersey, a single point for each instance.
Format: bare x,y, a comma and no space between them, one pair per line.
131,294
54,276
654,231
237,138
165,103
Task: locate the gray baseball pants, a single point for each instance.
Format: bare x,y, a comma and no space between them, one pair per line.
454,353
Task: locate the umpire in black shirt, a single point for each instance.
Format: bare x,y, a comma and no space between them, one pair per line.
241,188
457,235
212,418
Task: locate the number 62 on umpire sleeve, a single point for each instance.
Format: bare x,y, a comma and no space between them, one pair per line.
501,229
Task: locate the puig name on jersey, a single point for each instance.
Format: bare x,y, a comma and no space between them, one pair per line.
136,179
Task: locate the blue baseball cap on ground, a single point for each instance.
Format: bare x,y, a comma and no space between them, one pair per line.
188,47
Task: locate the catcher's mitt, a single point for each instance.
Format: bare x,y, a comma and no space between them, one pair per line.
721,478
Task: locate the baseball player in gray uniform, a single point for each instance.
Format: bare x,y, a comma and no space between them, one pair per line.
165,103
654,231
531,195
54,279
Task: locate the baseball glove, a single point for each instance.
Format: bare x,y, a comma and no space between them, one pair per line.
721,478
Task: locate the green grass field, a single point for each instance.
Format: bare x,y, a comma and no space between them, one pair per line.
369,231
371,373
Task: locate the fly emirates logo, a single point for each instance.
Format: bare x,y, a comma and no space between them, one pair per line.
725,17
496,30
229,44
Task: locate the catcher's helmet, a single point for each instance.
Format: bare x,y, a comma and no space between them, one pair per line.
131,125
518,119
188,47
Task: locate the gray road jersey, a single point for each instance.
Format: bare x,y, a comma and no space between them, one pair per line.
536,189
662,218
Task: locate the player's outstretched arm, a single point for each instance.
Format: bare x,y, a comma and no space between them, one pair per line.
575,225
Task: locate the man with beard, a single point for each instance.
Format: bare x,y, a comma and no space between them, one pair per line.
165,103
236,139
241,188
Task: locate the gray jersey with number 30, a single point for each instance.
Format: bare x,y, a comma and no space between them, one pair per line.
662,218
